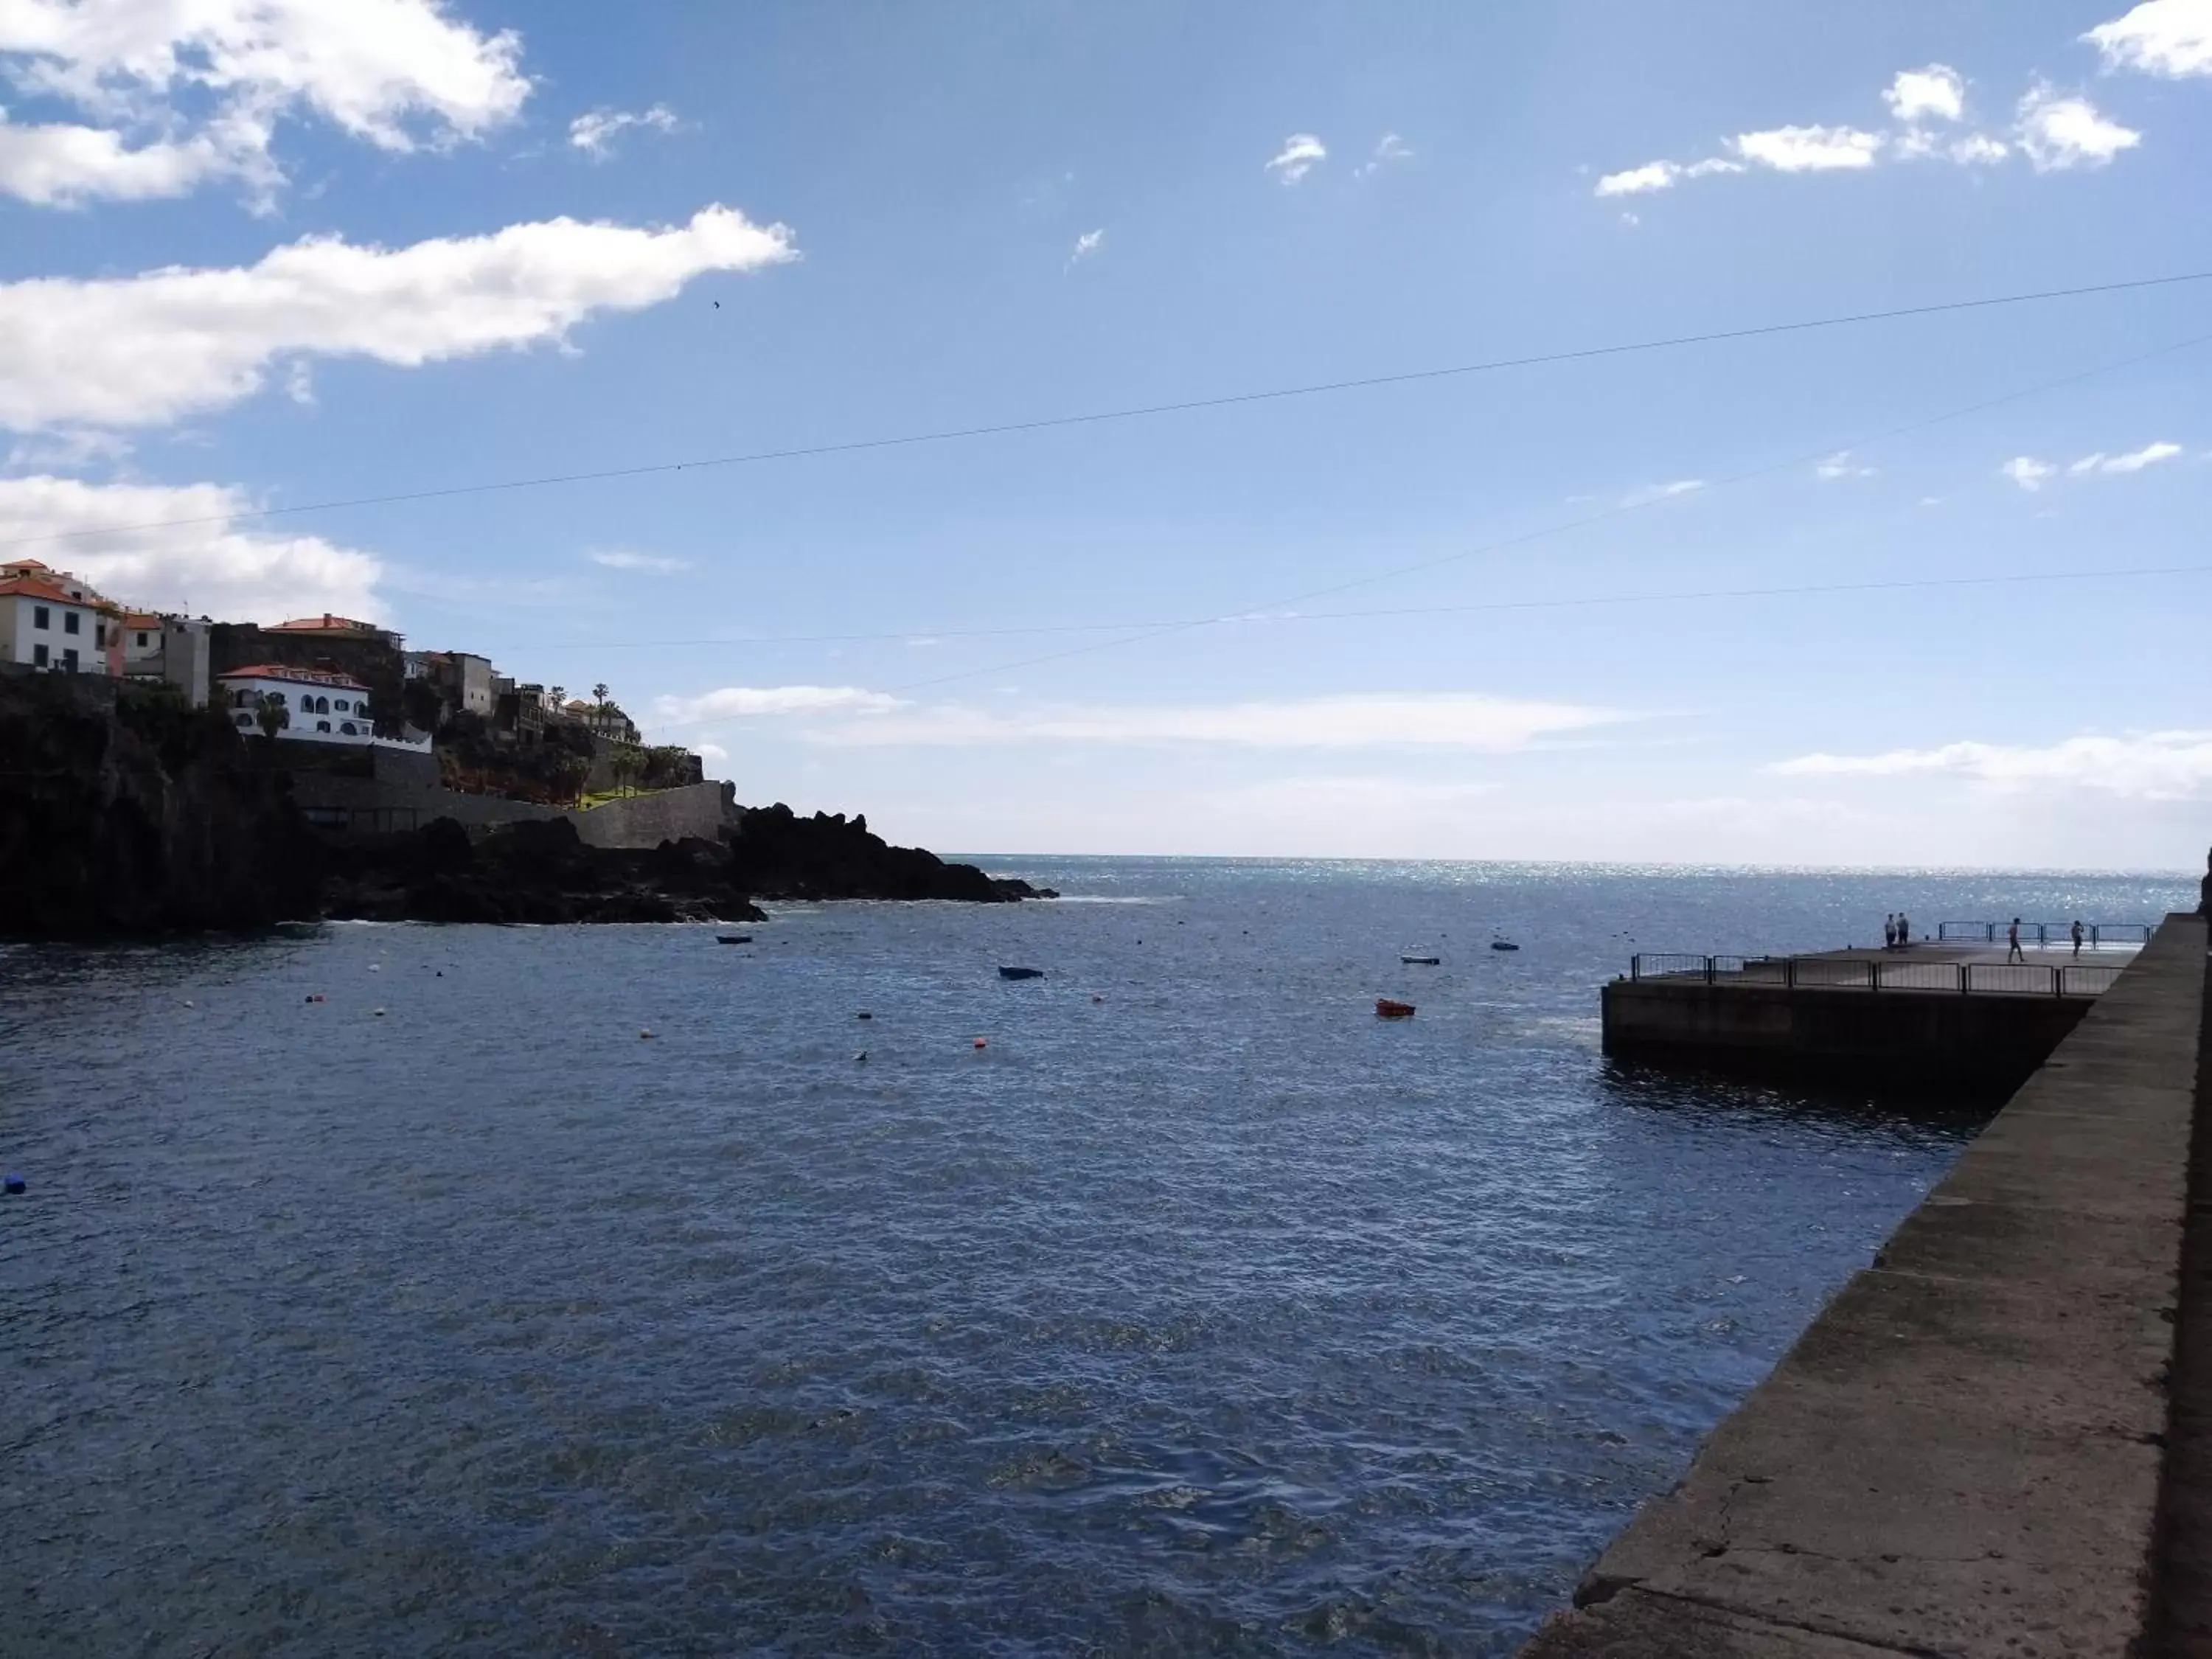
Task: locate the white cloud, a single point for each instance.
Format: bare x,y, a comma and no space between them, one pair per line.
755,701
1662,492
144,351
188,92
1637,181
595,133
2172,38
2134,461
1389,147
2027,472
1809,150
1840,465
213,567
623,558
1978,150
2148,766
1380,720
1086,245
2058,133
1300,151
1937,91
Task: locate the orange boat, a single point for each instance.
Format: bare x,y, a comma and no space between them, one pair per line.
1385,1008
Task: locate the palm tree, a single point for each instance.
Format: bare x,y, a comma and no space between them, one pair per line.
271,714
599,694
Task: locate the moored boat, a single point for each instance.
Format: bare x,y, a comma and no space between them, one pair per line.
1390,1008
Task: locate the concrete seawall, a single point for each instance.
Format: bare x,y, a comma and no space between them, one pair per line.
642,821
1964,1454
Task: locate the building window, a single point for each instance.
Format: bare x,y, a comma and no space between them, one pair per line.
68,660
69,620
342,705
38,656
245,720
346,726
40,618
322,726
142,638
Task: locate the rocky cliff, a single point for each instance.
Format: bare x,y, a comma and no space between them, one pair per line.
123,810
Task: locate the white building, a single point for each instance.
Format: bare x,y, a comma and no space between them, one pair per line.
45,624
318,708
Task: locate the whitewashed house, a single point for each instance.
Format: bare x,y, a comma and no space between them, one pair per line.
45,624
319,707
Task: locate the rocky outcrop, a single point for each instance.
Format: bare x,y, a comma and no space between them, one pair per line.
775,854
125,810
538,871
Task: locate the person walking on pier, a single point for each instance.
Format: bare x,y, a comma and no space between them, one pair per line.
2077,936
2013,952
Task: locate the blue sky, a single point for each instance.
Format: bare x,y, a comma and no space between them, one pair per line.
324,249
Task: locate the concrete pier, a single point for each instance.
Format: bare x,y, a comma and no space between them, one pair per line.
1958,1019
1966,1453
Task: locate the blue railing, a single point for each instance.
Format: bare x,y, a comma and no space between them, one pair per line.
2045,934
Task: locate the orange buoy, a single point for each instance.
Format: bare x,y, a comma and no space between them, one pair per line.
982,1043
1386,1008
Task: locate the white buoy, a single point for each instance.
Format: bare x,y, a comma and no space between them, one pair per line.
380,1013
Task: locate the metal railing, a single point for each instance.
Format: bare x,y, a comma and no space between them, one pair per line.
2046,934
2045,979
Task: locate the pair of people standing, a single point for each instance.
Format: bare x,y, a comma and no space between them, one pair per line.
1896,931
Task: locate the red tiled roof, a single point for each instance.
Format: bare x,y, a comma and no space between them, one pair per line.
30,587
278,670
146,619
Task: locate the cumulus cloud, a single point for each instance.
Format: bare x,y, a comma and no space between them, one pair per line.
2169,38
595,133
623,558
1840,465
1300,151
1809,150
1377,720
2060,133
1086,245
210,565
1937,91
732,702
2055,131
2027,472
1662,492
178,95
2148,766
144,350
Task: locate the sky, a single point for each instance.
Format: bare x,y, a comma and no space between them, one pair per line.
1923,590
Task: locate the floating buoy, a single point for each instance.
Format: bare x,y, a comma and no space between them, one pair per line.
188,1002
864,1014
14,1183
982,1043
1098,999
375,967
380,1013
863,1054
645,1035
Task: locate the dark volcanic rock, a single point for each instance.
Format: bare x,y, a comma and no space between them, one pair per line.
124,811
537,871
779,854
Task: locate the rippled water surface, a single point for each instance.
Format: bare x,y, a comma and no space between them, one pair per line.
1199,1312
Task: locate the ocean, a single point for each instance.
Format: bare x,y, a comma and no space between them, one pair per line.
383,1289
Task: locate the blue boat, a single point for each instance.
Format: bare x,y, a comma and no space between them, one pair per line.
1021,973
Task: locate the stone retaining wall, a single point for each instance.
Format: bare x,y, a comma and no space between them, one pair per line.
1963,1454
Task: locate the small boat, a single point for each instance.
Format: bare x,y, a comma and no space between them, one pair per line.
1387,1008
1021,973
733,939
1504,945
1422,962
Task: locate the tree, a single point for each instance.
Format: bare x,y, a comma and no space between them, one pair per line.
599,694
271,714
558,696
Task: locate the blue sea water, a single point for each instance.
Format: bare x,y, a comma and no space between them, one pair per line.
1198,1312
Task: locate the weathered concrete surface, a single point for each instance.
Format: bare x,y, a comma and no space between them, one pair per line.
1983,1046
1962,1455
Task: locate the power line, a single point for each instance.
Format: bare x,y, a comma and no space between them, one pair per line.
1094,418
